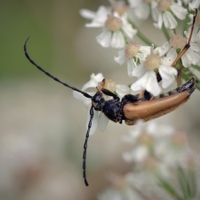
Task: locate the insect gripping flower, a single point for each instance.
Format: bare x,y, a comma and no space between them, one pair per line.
147,77
148,63
100,120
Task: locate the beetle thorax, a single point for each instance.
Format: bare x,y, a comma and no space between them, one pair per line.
112,110
98,101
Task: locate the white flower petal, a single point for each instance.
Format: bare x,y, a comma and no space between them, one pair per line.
140,153
195,46
147,82
154,11
104,38
178,11
121,57
168,74
194,4
170,57
117,40
131,65
185,60
102,122
143,52
93,25
88,14
134,3
190,57
122,90
98,77
159,21
98,18
80,97
152,84
102,13
164,49
93,82
138,71
142,11
169,20
128,30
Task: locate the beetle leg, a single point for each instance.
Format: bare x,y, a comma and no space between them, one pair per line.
128,99
178,79
109,93
141,94
145,95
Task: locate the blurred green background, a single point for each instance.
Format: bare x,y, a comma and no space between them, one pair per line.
42,127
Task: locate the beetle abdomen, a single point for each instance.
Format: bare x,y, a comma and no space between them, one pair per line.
158,106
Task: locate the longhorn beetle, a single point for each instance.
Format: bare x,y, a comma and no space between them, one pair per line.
131,107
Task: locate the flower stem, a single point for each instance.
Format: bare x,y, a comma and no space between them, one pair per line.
167,36
141,36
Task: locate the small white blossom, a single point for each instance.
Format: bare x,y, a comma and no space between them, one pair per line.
142,141
122,90
133,54
178,42
99,120
195,39
147,77
194,4
156,147
167,11
98,18
115,27
140,8
120,189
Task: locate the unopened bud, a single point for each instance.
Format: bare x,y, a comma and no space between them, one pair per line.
108,84
132,49
163,5
152,62
177,41
113,23
120,9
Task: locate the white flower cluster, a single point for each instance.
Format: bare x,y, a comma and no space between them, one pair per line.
144,61
99,120
157,151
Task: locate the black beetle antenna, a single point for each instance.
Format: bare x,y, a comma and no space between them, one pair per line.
85,145
51,76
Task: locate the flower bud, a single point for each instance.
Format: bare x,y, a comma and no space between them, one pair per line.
120,9
177,41
152,62
163,5
132,49
107,84
113,23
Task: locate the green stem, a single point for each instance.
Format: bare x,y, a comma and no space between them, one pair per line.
167,36
185,23
142,37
